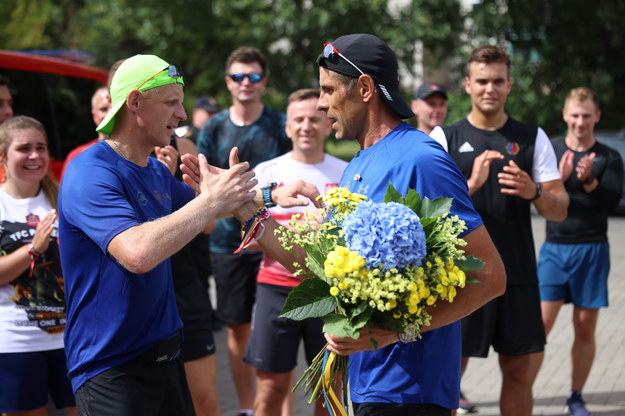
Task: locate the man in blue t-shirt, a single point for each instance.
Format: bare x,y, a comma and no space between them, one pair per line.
121,216
360,94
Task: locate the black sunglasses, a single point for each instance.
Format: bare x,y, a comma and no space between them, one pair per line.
173,71
254,78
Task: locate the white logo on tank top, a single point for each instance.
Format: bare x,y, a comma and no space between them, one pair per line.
465,148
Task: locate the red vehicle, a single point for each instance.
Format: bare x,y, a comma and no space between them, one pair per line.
56,92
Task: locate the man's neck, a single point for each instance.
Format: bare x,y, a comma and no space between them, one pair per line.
487,121
244,114
580,144
133,151
425,128
378,129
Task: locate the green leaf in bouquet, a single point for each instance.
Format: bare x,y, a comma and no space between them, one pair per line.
360,320
432,208
424,207
315,260
339,326
470,263
310,299
354,311
428,225
413,201
392,195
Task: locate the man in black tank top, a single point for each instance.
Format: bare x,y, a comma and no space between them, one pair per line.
508,165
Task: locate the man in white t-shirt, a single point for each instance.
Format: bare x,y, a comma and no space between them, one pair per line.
274,341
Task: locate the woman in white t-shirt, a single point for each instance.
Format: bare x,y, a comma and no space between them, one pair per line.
32,299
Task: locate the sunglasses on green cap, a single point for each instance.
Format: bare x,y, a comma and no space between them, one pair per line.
173,71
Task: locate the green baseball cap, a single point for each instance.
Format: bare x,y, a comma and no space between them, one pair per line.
140,72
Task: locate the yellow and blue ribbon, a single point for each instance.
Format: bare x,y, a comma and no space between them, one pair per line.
333,403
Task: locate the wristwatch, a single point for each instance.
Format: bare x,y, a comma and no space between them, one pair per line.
539,192
266,190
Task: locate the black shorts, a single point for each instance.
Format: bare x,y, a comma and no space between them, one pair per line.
197,344
153,384
197,317
396,409
274,342
235,278
511,323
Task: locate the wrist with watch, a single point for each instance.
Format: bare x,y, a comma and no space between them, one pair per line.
266,192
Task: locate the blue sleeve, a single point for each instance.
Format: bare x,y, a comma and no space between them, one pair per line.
97,205
181,193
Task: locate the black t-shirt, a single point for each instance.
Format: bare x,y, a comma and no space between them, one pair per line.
587,219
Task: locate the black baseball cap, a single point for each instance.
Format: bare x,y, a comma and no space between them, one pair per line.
428,88
207,103
357,54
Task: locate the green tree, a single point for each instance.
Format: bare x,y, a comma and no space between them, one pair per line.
199,34
557,45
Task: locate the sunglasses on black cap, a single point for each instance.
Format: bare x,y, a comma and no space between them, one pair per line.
254,78
329,51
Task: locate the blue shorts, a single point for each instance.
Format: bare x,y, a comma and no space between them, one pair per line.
27,377
575,273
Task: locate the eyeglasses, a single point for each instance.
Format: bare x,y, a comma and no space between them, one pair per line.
329,50
173,71
254,78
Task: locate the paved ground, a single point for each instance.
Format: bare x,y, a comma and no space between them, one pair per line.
604,392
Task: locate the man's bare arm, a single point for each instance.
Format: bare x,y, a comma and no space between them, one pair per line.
141,248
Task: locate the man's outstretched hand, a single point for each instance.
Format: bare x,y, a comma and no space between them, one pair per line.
286,196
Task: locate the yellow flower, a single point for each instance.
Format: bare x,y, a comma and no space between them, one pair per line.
451,293
334,291
431,300
462,278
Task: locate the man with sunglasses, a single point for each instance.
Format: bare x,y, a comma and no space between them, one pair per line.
259,133
360,94
121,216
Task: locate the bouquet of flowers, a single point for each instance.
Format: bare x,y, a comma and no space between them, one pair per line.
374,265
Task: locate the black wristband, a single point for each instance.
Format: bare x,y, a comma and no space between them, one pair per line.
539,192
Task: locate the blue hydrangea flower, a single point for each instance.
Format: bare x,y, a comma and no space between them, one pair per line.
385,234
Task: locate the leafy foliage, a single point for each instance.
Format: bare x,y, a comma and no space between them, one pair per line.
557,45
200,34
